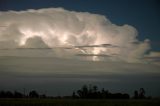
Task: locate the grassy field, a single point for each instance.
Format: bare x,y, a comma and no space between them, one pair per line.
77,102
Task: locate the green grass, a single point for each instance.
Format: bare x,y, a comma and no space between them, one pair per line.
77,102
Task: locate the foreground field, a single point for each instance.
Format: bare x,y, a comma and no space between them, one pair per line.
77,102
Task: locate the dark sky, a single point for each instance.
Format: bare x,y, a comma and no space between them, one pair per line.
144,15
41,73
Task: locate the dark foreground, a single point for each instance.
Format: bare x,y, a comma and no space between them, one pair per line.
77,102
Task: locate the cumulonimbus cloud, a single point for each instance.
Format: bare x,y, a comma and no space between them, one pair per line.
70,33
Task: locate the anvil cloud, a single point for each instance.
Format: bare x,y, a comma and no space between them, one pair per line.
57,32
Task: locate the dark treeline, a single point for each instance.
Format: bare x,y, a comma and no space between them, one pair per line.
92,92
86,92
16,94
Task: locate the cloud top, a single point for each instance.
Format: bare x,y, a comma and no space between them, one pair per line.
71,34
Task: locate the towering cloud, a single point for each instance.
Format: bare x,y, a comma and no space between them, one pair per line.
70,34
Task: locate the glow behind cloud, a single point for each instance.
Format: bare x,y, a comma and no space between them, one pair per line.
69,33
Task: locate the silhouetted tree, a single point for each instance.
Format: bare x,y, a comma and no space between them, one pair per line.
9,94
74,95
84,91
135,94
2,94
126,96
141,93
17,94
33,94
79,92
105,93
95,88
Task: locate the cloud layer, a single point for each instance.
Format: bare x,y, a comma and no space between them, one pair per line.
69,34
56,32
65,75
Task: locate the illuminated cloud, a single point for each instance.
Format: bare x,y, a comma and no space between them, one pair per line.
69,34
153,57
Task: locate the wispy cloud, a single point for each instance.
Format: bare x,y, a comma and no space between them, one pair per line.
99,55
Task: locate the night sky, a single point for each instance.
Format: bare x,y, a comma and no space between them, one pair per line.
56,46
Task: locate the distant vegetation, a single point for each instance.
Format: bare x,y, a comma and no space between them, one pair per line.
92,92
85,96
16,94
85,92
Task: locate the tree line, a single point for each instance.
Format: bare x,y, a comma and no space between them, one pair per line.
92,92
16,94
85,92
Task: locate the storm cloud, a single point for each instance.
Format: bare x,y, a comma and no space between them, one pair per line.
70,34
52,49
